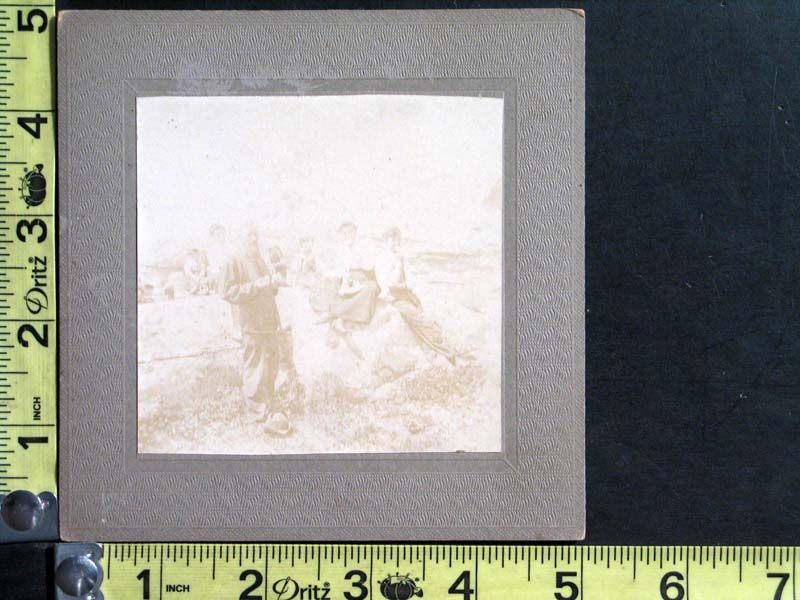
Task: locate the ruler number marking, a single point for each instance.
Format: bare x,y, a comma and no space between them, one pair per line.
561,582
37,121
782,579
360,579
28,24
28,227
465,590
42,338
144,577
26,441
258,580
667,586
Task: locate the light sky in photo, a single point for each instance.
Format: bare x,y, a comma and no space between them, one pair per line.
297,166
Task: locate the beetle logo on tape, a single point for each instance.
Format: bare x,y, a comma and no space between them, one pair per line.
400,587
34,186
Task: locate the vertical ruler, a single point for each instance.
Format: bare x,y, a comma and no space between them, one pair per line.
27,269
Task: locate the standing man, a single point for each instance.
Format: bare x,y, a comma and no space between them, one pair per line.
248,283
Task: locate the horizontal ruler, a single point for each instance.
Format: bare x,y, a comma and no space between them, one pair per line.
27,249
455,572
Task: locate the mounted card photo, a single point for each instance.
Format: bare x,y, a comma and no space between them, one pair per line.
321,275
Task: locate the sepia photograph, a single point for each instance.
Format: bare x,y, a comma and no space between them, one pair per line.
319,274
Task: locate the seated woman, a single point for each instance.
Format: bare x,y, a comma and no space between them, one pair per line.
393,281
358,291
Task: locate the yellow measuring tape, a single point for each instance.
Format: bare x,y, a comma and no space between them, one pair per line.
454,572
27,249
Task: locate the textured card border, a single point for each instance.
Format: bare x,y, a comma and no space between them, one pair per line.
534,489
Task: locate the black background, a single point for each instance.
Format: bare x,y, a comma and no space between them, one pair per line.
692,243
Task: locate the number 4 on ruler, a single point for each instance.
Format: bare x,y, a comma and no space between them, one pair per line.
37,121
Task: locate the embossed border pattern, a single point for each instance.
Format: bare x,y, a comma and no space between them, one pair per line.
534,489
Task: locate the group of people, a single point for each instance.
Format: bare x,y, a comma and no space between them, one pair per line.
366,278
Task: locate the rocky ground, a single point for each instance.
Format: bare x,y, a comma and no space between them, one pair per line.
399,398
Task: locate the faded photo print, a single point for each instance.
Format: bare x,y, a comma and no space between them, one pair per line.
319,274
